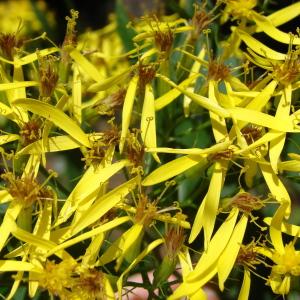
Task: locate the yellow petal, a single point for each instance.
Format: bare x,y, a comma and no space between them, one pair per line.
127,109
56,116
92,251
109,82
141,256
104,204
193,151
194,288
148,121
283,111
88,68
262,99
4,109
230,253
206,216
275,186
173,168
290,165
275,228
33,56
14,265
17,85
201,100
215,248
171,95
185,262
76,95
57,143
7,138
268,28
88,186
87,235
259,47
283,15
7,225
218,123
245,289
262,119
119,248
5,196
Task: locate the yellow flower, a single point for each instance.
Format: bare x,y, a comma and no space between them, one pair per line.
287,265
238,9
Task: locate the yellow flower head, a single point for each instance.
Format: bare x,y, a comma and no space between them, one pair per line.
239,8
287,262
57,278
288,71
26,189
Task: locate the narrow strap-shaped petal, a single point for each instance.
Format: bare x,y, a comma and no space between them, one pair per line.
34,56
171,95
262,119
59,118
290,229
283,111
268,28
127,109
259,47
87,235
275,228
148,120
55,144
89,69
245,289
89,184
14,265
144,253
283,15
201,100
120,246
230,253
104,204
76,95
173,168
276,186
6,227
109,82
218,123
215,248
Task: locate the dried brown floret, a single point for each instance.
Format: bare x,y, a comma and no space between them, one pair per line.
31,131
246,202
48,75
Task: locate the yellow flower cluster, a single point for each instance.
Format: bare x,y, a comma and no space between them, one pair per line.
120,110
